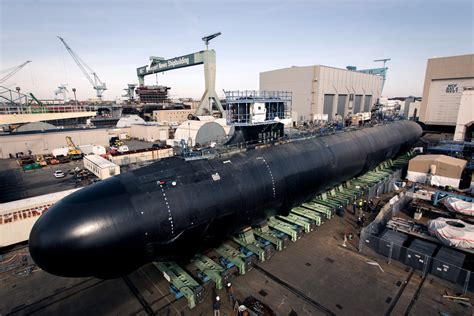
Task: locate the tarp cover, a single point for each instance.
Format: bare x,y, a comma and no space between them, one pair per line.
439,165
452,232
459,206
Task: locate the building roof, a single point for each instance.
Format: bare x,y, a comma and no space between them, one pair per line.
441,158
36,126
127,121
357,71
34,201
440,165
100,161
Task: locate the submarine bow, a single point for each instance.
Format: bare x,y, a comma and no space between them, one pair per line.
173,208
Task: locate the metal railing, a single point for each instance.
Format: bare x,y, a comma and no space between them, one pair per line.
15,102
292,135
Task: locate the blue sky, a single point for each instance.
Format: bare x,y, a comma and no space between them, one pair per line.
116,37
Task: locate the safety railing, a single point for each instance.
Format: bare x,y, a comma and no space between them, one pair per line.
36,109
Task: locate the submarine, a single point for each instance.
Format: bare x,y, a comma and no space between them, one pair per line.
171,209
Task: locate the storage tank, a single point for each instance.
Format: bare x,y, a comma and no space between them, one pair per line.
199,132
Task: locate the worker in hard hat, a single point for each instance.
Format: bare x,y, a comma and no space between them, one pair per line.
216,306
230,292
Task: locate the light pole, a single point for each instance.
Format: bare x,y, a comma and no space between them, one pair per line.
19,96
75,100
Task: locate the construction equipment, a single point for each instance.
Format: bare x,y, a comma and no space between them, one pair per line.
378,71
96,83
115,142
40,108
73,152
12,71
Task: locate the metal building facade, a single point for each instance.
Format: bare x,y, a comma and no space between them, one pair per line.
445,80
324,90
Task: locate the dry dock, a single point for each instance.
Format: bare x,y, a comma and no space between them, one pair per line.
314,276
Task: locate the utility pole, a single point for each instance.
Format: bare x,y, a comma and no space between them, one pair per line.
75,99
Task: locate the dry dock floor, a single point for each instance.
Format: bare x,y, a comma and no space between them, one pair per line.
314,276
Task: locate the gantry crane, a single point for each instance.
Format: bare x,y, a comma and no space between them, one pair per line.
98,85
13,70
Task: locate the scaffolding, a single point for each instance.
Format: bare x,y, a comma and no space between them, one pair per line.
252,107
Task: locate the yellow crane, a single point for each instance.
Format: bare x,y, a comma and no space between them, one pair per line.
73,151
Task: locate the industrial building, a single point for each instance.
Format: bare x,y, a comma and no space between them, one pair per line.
172,116
465,122
44,142
101,167
41,143
324,90
149,133
446,80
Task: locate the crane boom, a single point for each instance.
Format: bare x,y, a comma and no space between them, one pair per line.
13,71
96,83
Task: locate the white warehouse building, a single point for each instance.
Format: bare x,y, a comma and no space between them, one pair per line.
324,90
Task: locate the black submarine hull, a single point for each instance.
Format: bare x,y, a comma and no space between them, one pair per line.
173,208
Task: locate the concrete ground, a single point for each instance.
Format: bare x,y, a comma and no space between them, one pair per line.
314,276
18,184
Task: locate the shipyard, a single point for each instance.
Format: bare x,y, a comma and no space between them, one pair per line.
226,160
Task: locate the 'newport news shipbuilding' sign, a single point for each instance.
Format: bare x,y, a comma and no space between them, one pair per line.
164,65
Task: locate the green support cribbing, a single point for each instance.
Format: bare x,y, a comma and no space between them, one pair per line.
210,268
234,256
332,194
354,194
371,180
182,281
363,182
382,171
366,181
286,228
349,188
268,236
370,177
311,214
253,247
354,185
340,191
379,174
336,199
295,219
317,207
323,199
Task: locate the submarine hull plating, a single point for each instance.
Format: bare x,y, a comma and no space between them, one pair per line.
171,209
